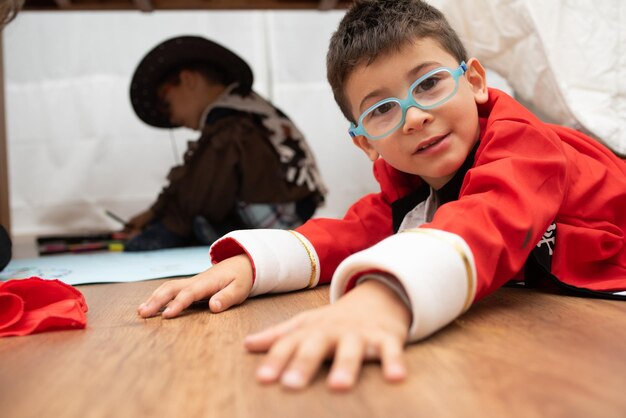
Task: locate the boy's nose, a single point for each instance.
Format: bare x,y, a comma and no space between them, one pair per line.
416,119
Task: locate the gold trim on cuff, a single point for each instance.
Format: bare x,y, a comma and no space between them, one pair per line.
311,259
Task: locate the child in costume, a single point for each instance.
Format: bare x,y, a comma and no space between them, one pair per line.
475,192
251,166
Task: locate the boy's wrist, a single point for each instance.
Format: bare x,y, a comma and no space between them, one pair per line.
244,269
388,280
385,300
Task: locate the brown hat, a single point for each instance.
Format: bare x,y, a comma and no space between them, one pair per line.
175,53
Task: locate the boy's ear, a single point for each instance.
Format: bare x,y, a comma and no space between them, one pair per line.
477,78
363,143
187,77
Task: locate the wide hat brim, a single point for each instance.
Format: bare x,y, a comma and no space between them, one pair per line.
174,53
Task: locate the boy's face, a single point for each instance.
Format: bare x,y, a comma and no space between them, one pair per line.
182,102
432,144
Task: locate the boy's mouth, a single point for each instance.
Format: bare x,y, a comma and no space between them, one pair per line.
429,143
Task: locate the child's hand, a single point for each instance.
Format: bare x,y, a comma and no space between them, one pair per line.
138,222
368,322
227,283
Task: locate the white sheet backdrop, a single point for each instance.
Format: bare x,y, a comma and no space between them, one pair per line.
75,146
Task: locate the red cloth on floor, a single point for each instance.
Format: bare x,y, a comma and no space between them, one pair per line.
28,306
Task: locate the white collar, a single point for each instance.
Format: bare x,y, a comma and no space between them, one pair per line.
206,111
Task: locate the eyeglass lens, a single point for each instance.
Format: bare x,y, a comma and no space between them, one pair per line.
428,93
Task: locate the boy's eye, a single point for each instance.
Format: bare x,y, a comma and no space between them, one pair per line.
382,109
428,84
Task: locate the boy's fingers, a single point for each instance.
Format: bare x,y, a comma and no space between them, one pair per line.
262,341
392,360
201,288
232,294
347,364
274,363
160,297
306,361
179,294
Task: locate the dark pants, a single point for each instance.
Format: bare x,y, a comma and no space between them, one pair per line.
5,248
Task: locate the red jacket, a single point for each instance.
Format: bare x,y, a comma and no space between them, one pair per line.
524,176
531,197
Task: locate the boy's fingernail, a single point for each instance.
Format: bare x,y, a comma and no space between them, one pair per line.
266,373
166,311
396,371
217,304
293,379
142,306
341,377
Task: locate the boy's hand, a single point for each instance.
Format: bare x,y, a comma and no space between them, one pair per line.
227,283
138,222
368,322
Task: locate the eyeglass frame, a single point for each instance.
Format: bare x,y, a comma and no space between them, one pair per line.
409,101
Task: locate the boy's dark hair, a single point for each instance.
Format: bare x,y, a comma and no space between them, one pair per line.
372,28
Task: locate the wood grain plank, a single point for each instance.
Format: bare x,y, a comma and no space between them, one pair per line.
518,353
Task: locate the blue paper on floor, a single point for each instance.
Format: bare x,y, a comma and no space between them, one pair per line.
108,267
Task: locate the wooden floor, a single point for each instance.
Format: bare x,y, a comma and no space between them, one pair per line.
518,353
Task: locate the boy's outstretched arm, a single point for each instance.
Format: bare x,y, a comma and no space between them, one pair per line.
369,322
227,283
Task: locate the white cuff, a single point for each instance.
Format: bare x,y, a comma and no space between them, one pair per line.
436,269
282,260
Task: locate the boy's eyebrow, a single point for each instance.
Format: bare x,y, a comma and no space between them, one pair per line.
421,66
369,96
410,73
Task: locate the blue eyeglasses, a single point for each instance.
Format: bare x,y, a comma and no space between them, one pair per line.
429,91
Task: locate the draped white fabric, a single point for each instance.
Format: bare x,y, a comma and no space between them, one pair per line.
566,59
